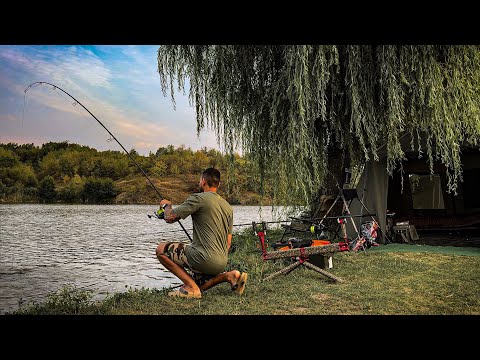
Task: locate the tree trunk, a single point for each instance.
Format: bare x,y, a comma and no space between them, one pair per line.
338,160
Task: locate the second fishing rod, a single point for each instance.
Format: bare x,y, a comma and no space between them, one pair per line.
160,213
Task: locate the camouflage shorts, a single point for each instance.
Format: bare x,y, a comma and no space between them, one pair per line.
175,251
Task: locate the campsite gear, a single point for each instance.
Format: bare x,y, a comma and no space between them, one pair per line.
357,243
347,177
369,232
110,139
303,225
292,243
261,235
406,231
390,234
300,254
385,193
321,260
349,195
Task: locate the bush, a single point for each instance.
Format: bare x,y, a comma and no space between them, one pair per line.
46,190
99,190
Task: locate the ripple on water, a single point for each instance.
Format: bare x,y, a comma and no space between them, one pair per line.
102,248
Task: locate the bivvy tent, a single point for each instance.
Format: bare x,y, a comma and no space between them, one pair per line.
415,196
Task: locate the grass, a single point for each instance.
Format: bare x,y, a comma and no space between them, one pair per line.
375,283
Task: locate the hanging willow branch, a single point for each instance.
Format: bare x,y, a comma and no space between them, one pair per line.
287,107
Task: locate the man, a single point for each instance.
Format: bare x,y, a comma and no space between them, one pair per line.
206,257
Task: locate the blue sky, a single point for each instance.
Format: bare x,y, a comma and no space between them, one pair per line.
120,85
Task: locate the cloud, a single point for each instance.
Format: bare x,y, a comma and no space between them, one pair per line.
142,66
60,66
23,139
118,84
7,117
141,129
84,65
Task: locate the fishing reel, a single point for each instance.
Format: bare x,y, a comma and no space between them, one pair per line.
317,228
160,213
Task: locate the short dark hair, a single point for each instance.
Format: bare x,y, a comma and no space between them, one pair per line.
212,177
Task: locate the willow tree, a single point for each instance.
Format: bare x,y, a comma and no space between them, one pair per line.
304,112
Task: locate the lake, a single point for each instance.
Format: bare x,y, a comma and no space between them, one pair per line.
103,248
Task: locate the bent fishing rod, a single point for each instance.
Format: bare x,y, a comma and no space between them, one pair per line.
113,136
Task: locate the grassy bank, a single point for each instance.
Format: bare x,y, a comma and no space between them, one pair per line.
376,282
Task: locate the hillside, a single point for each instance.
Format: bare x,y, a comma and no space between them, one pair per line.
137,190
61,172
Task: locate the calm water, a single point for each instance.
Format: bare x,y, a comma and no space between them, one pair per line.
103,248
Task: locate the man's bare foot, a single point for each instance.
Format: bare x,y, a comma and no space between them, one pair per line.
193,290
233,277
239,286
182,292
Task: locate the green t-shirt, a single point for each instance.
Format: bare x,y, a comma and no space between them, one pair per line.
212,218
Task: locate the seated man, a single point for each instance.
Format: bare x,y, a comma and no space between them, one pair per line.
206,256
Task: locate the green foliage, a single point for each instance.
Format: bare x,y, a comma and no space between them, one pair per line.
70,165
30,193
8,158
72,191
113,167
27,153
160,168
291,107
69,300
46,190
15,176
3,189
50,166
19,174
50,147
98,190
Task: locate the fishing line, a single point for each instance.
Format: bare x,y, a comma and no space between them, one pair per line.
24,105
111,137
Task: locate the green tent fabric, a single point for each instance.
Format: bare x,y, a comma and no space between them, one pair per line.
372,190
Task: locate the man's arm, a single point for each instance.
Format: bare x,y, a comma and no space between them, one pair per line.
170,215
229,241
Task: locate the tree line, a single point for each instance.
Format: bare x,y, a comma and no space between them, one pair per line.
71,173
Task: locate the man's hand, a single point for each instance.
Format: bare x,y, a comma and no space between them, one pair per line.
165,201
170,215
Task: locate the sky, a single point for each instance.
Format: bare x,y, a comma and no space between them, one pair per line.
118,84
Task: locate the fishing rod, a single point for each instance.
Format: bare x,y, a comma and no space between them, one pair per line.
247,224
266,222
158,213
